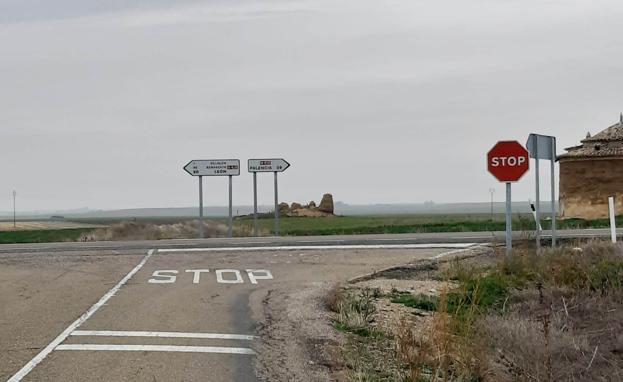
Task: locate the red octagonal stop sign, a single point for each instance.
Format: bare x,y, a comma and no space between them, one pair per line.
508,161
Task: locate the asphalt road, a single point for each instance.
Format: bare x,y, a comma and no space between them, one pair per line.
167,314
297,241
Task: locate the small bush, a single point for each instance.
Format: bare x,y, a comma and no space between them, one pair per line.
423,302
332,299
355,311
481,293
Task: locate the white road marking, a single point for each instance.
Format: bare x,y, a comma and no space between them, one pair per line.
197,274
158,348
85,316
235,272
318,247
253,277
165,279
116,333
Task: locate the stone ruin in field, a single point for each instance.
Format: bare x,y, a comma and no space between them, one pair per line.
324,209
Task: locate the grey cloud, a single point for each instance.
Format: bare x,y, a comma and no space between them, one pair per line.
376,102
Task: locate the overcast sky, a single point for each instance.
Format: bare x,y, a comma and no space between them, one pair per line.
103,102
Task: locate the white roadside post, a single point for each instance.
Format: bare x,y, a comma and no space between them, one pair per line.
533,209
508,161
613,227
266,165
214,167
543,147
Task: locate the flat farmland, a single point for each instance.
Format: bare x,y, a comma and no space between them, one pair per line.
391,224
39,225
41,231
184,227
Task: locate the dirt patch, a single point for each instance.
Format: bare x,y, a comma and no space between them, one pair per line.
307,333
298,342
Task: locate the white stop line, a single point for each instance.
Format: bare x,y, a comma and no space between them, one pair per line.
320,247
158,348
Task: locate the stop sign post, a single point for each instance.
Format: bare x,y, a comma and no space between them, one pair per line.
508,161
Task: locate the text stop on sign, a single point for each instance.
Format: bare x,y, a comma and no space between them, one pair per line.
508,161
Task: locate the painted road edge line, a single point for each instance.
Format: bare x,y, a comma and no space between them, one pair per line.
318,247
435,257
158,348
117,333
85,316
449,253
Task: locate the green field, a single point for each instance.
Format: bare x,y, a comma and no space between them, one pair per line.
42,236
352,225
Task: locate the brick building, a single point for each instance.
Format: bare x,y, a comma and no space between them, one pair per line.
590,173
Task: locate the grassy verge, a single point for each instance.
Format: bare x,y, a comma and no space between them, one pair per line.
179,227
43,236
551,317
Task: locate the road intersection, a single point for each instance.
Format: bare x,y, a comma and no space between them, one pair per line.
181,310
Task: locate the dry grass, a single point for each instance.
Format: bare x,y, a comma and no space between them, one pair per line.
450,351
128,230
355,310
553,317
558,335
333,298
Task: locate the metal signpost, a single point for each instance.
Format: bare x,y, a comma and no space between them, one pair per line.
508,161
214,167
543,147
266,165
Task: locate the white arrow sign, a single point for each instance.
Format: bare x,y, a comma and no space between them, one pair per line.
213,167
268,165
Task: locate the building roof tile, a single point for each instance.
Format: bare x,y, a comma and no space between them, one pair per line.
605,144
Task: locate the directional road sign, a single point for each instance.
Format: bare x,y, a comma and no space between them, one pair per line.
213,167
268,165
508,161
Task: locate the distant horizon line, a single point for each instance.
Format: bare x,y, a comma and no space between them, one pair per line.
427,204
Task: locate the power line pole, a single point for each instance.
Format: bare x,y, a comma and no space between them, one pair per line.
14,195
